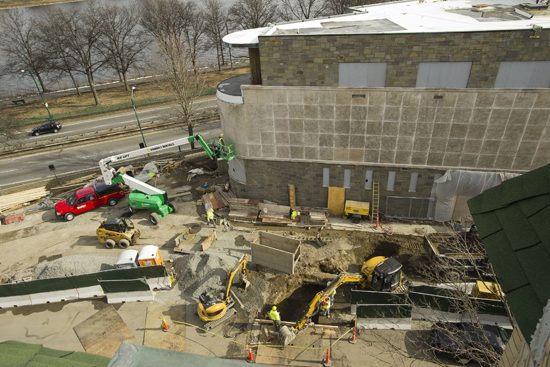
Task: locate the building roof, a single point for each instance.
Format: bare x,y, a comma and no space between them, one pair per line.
513,222
430,16
17,354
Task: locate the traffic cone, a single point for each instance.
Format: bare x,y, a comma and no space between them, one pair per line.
250,358
352,339
327,362
163,325
377,221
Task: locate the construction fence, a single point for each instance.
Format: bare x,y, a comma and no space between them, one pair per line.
105,283
93,111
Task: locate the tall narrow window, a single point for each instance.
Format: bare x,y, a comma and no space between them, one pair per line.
412,184
326,177
347,178
368,180
391,181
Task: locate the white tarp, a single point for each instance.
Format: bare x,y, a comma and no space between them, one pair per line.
454,184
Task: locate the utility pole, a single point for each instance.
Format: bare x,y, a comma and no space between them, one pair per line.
39,92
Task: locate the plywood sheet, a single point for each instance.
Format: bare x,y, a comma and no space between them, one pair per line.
336,200
103,333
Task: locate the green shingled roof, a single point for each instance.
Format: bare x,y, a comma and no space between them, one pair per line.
513,220
17,354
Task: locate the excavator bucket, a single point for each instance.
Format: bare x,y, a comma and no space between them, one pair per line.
245,284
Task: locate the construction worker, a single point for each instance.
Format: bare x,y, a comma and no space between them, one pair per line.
274,314
326,307
210,217
294,214
221,141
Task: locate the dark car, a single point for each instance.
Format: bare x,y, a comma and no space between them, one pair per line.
46,127
464,342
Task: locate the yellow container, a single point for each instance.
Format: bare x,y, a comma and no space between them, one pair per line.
487,290
356,207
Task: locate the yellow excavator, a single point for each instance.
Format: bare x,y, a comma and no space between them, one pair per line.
380,273
216,312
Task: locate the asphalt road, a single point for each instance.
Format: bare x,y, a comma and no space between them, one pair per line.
34,166
107,122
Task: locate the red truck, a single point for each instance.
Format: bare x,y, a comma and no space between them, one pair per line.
88,198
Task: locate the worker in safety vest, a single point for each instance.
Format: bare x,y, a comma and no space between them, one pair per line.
274,314
294,214
210,217
326,307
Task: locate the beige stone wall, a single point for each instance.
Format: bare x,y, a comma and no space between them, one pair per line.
312,60
461,128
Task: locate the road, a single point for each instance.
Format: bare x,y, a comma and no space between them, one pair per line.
124,119
73,159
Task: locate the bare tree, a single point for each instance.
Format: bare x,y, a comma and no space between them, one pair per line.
21,45
165,18
50,28
194,34
175,67
122,41
335,7
253,13
446,303
302,9
215,17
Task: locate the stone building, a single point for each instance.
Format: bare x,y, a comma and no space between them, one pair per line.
389,98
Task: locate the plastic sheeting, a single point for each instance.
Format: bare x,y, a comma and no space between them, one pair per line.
454,184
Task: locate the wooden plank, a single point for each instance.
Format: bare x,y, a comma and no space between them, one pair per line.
291,196
279,209
219,199
206,202
213,201
279,242
336,200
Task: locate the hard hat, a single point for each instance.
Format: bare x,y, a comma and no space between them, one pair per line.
221,134
274,308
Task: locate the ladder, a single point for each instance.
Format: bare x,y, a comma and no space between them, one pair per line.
375,200
291,196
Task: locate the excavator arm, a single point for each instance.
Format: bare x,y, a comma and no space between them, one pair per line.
314,304
242,263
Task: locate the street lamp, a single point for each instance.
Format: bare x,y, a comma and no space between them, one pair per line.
45,104
134,105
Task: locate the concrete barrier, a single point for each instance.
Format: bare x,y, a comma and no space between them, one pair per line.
51,297
15,301
123,297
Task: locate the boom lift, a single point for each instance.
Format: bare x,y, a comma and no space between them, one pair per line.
380,273
145,196
215,312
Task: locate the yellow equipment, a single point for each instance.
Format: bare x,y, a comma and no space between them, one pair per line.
215,312
356,210
379,273
117,230
487,290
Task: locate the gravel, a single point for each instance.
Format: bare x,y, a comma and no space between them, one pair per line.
73,265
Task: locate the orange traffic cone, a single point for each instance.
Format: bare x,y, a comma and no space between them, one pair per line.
327,362
163,325
377,221
250,358
352,339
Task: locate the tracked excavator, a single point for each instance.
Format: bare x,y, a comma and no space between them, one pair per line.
216,312
380,274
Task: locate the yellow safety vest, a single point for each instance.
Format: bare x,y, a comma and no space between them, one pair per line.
210,214
274,315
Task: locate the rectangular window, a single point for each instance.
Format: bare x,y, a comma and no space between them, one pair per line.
347,178
443,74
368,180
412,184
391,181
326,177
362,74
523,74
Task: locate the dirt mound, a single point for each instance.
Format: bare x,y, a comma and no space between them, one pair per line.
73,265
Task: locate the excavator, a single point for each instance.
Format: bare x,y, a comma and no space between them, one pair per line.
216,312
380,274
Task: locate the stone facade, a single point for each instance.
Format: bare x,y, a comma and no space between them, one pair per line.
274,177
479,129
312,60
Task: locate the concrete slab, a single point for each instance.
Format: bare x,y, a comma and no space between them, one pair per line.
103,333
174,338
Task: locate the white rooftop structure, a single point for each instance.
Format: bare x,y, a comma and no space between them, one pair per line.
430,16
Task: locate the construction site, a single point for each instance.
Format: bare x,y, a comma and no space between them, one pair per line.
199,303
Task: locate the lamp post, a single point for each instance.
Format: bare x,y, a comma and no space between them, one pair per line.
45,104
134,105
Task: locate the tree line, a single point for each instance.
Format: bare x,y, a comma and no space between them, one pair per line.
65,43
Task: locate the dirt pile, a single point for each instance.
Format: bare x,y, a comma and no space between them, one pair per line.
73,265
